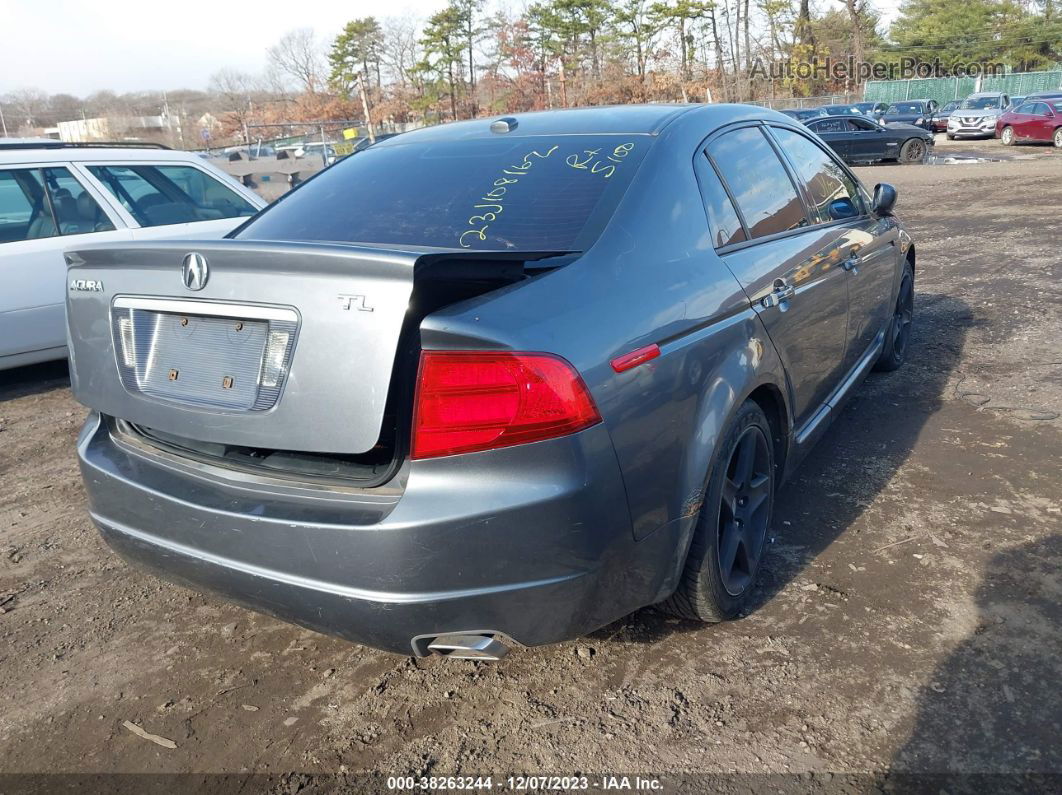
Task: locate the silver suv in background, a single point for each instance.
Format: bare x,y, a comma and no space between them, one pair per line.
976,116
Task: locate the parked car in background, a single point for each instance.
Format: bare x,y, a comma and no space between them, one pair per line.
1053,94
918,112
54,196
554,405
1015,102
874,110
976,116
859,139
1032,121
940,116
803,114
839,110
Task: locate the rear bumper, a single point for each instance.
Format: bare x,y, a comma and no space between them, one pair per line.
532,542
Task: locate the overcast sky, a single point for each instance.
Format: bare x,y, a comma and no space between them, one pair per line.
80,46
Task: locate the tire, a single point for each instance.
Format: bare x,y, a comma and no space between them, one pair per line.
951,137
733,521
1058,138
1007,136
914,150
898,333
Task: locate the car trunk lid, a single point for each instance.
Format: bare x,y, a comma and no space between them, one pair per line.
279,345
265,345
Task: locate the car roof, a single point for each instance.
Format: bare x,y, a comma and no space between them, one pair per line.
986,94
650,119
843,116
76,154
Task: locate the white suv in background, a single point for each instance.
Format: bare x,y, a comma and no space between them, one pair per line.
55,196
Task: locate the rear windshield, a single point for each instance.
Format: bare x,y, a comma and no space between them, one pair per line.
542,193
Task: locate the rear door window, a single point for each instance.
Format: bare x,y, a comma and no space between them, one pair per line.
758,181
824,179
158,195
542,193
24,210
833,125
722,217
76,212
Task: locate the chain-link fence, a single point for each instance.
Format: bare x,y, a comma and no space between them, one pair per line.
807,102
945,89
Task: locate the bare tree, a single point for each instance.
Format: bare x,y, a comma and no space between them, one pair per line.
234,89
401,49
28,105
299,56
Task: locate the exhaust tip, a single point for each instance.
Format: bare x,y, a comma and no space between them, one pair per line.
468,647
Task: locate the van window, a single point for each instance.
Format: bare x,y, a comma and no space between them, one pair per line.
76,212
162,194
24,210
758,182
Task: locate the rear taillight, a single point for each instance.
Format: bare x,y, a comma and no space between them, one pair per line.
480,400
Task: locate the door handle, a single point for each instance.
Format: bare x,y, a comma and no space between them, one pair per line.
850,265
782,292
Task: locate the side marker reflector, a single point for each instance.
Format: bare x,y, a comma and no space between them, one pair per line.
630,360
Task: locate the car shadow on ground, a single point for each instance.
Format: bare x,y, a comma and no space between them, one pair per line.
33,379
851,464
990,717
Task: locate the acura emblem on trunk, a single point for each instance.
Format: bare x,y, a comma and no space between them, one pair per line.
195,271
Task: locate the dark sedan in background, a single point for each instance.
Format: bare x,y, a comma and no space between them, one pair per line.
859,139
803,114
918,112
874,110
487,382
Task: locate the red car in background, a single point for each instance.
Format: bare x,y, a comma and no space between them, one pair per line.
1033,120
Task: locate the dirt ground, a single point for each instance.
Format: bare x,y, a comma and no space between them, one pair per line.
908,619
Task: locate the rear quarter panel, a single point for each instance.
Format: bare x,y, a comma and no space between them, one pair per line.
652,277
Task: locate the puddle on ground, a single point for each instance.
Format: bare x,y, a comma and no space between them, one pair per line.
959,160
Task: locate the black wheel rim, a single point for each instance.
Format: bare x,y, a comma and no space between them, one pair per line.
915,151
744,510
901,323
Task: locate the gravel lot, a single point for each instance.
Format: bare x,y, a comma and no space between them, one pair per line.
908,620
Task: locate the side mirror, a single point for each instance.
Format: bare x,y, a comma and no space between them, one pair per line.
842,208
884,199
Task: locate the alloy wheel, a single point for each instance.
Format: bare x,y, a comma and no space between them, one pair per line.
901,324
744,510
1058,137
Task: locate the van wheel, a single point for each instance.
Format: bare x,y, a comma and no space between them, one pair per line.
1007,136
728,542
913,151
898,334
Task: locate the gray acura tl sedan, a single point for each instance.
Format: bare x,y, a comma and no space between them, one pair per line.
492,383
